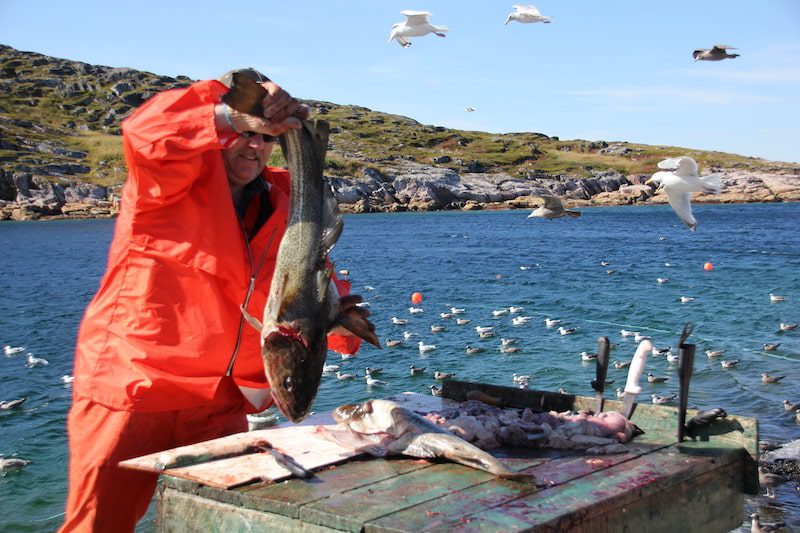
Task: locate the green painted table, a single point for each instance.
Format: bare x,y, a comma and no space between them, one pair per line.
659,485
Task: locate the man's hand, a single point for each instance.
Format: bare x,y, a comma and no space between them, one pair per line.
281,113
353,320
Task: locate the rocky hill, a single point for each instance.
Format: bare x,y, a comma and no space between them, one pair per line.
61,153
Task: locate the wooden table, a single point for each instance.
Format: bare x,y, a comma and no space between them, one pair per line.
659,485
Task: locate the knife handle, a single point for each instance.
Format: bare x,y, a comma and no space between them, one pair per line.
637,367
603,349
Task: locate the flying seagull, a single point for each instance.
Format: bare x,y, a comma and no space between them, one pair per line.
717,53
680,181
552,208
415,25
526,15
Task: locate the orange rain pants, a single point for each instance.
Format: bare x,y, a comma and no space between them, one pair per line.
106,498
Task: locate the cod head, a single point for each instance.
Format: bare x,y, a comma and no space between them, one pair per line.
293,365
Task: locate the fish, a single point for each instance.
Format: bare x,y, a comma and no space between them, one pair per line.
386,428
303,304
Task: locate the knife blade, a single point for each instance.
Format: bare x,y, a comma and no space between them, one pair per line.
632,387
599,382
685,369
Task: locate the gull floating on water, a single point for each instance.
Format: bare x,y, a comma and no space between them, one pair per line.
626,333
622,364
373,371
507,341
673,358
463,321
443,375
472,350
415,310
425,347
686,299
550,322
769,481
789,406
757,527
766,378
787,327
10,404
399,321
520,377
566,331
12,463
486,334
620,393
11,350
415,25
729,363
520,320
391,343
527,15
638,337
36,361
662,280
552,209
679,181
407,335
514,309
714,353
457,310
776,298
446,316
499,312
660,351
586,356
509,349
717,53
771,346
483,329
436,391
331,368
436,328
652,378
374,381
417,370
343,377
658,400
605,263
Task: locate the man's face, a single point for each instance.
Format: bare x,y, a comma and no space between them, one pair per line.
245,158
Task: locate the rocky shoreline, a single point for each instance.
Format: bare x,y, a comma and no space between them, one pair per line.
412,186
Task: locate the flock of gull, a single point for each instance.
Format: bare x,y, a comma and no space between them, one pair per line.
13,463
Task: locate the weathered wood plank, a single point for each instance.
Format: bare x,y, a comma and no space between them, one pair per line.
350,510
598,493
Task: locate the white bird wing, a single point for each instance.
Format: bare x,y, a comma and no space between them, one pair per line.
712,183
396,28
687,166
669,164
552,203
416,17
723,47
527,10
681,204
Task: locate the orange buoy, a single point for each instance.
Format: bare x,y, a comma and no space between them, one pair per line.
708,266
416,297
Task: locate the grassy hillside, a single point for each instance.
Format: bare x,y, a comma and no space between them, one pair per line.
59,120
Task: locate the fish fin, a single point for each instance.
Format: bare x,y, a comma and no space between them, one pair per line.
321,133
573,214
332,223
253,321
245,95
358,327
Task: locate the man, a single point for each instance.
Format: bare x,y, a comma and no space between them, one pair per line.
164,357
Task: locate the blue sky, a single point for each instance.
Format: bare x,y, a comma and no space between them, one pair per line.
619,70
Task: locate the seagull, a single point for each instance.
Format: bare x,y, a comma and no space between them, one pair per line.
673,358
36,361
638,337
463,321
622,364
391,343
714,353
483,329
457,310
499,312
417,370
527,15
552,209
679,181
626,333
717,53
757,527
446,316
686,299
12,463
509,349
331,368
443,375
787,327
520,320
472,351
425,347
515,309
562,390
620,393
660,351
373,381
486,334
469,109
507,341
407,335
517,378
415,25
766,378
729,363
11,350
372,371
662,280
415,310
343,377
399,321
348,356
605,263
771,346
776,298
67,379
658,400
652,378
435,391
789,406
550,322
769,481
566,331
436,329
586,356
10,404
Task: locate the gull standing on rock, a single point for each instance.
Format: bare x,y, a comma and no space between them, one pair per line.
680,181
717,53
552,209
415,25
527,15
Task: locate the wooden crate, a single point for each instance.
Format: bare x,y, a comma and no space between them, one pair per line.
660,485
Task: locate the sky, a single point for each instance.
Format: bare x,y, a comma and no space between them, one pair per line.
619,70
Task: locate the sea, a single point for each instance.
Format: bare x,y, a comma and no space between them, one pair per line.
480,262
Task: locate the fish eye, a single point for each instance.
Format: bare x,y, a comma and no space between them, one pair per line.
288,383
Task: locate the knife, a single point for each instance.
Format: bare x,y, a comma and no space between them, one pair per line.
599,382
632,387
685,369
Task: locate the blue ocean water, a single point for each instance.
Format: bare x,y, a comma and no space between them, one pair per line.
478,261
